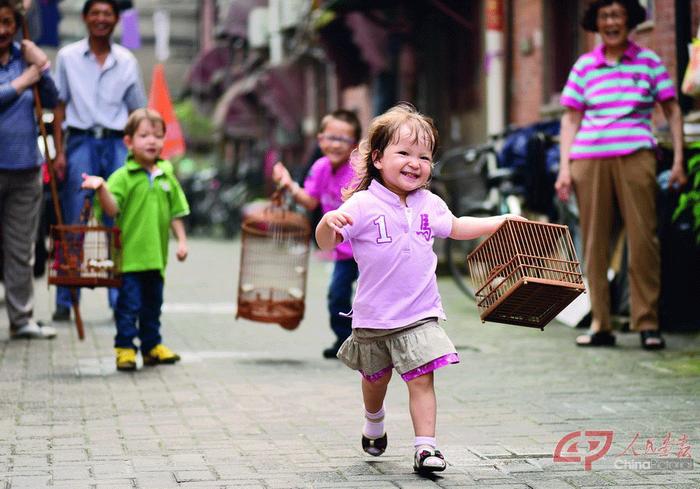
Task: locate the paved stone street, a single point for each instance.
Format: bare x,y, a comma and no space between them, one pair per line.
254,406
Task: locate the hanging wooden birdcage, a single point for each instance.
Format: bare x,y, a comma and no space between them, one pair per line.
525,273
274,261
85,255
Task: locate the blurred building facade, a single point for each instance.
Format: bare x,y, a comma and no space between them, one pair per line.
545,39
268,70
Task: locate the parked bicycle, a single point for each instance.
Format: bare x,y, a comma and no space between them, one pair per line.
216,199
512,174
471,183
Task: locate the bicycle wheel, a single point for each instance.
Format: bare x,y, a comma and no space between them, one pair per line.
456,252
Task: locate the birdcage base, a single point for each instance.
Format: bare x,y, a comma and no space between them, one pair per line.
90,282
85,256
288,312
531,302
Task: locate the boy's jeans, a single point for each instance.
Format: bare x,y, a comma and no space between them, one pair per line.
140,299
340,297
86,154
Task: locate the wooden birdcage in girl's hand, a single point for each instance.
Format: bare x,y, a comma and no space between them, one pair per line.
525,273
274,260
85,255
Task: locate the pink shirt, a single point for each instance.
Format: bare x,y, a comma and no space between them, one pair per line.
326,185
393,247
617,101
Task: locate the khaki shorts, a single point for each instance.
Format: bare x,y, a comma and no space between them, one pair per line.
413,350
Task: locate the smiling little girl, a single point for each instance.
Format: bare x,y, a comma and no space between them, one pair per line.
391,220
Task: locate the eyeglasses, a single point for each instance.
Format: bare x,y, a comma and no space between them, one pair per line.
331,138
615,15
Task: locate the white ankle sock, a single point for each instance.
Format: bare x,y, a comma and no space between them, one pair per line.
374,424
427,442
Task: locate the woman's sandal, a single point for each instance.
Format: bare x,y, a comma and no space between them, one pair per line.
652,340
376,446
426,461
600,338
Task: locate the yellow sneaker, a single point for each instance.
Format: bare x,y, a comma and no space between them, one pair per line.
160,354
126,359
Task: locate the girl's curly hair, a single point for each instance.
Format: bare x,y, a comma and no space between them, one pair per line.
384,130
636,14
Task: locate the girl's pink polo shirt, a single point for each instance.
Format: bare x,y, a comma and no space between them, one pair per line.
393,247
326,186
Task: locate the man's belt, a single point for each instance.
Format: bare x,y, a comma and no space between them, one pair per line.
21,171
96,132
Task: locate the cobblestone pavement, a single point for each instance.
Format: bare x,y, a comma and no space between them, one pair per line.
255,406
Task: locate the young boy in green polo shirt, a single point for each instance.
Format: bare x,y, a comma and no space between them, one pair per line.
147,200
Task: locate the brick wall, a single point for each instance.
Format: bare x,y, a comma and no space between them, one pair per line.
526,70
661,38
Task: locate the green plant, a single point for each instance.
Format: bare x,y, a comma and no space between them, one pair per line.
689,202
194,124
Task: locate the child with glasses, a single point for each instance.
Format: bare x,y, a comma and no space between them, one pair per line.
339,132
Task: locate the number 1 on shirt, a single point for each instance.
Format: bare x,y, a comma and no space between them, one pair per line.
384,237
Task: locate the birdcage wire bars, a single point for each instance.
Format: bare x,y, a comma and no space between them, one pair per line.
525,273
274,261
85,256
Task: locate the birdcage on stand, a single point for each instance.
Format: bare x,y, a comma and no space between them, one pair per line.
525,273
85,254
274,261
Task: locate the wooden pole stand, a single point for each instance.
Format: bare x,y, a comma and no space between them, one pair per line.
39,110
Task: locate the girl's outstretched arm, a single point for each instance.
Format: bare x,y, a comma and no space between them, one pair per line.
468,227
328,229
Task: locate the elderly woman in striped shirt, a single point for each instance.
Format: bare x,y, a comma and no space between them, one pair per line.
607,159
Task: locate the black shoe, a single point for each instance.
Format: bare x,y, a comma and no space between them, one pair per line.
62,313
652,340
374,447
427,461
332,352
601,338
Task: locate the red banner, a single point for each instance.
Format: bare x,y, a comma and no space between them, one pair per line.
494,15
